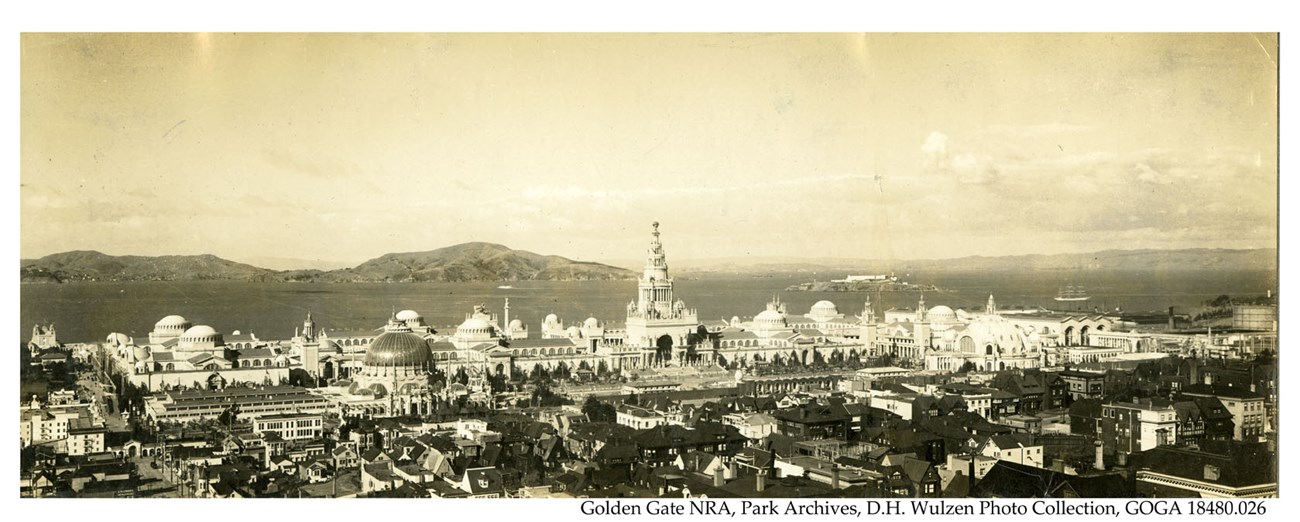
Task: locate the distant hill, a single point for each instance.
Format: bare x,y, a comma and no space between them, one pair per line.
1172,260
465,262
89,265
476,262
493,262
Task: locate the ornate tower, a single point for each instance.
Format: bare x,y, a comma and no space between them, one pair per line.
867,325
309,348
309,328
991,307
655,290
921,334
656,320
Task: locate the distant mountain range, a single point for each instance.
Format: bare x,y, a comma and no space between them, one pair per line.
493,262
1174,260
89,265
464,262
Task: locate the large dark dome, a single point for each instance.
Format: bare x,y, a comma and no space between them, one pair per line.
398,349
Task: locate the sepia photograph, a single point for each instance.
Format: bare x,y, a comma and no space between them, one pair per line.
621,267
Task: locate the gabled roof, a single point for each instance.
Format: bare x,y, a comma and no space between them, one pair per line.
1011,441
697,461
483,480
812,414
617,452
1011,480
916,469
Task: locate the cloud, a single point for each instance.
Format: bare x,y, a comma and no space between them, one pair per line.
1146,174
966,168
935,149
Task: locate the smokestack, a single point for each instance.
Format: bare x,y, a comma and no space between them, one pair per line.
759,480
835,476
1171,318
1099,463
971,467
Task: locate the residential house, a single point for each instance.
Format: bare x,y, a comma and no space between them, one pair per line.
1142,425
1082,384
1018,448
1247,408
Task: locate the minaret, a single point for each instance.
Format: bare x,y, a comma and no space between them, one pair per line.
507,323
309,328
921,334
867,328
310,350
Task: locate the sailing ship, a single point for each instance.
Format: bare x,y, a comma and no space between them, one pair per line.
1072,293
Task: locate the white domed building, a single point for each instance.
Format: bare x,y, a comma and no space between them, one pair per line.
553,328
182,355
168,328
414,321
824,311
592,329
825,323
941,317
517,330
771,321
201,338
989,342
479,327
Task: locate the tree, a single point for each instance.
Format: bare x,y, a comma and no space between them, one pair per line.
967,367
1266,356
230,416
598,411
543,396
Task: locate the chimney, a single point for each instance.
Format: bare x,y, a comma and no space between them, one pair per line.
835,476
718,480
1121,459
759,480
1099,462
735,469
971,467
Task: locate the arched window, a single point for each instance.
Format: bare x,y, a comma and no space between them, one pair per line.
245,364
257,362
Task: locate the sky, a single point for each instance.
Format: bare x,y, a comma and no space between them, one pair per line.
343,147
